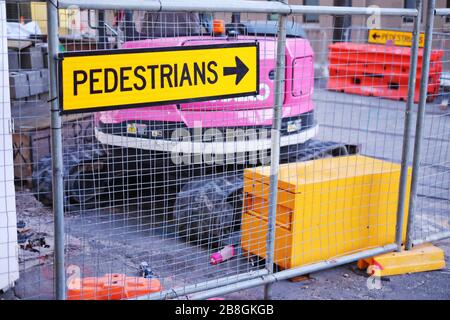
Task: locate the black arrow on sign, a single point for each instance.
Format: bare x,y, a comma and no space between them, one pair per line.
240,70
375,36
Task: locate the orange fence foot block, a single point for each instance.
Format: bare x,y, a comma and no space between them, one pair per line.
425,257
112,286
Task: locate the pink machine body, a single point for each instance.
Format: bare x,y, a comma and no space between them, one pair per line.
241,111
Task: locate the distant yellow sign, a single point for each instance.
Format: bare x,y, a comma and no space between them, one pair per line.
115,79
397,38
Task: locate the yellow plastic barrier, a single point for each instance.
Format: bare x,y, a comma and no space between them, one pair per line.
326,208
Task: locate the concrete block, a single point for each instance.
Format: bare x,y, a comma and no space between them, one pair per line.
13,60
31,58
44,80
35,81
44,50
18,85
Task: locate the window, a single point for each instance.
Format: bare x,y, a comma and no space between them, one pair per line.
409,4
311,17
447,18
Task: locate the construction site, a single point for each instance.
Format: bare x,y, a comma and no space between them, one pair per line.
226,150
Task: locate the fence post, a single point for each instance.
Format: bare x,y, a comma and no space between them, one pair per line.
56,150
420,118
275,145
407,128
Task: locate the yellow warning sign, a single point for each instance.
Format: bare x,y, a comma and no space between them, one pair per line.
397,38
128,78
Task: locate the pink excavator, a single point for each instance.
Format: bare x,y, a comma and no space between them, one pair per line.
187,159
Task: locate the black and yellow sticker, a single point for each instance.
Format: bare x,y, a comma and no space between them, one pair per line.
129,78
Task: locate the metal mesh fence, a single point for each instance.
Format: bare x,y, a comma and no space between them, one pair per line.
165,209
8,240
26,134
177,197
432,212
347,203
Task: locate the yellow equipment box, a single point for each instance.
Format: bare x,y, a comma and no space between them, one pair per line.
326,208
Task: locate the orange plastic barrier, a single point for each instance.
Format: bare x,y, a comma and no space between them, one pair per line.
112,286
379,70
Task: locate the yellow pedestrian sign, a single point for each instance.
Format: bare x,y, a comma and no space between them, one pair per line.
129,78
397,38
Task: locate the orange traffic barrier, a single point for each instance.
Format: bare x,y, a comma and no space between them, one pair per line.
112,286
393,86
379,55
379,70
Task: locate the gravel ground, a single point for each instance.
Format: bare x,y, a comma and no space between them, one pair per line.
347,282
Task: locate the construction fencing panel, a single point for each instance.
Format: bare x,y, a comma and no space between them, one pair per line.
136,207
160,190
26,135
172,199
432,210
8,240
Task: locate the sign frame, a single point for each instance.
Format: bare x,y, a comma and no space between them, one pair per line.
62,55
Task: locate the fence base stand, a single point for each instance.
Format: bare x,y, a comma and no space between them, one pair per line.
425,257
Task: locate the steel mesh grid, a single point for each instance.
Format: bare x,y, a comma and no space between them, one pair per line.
346,212
100,251
139,215
8,238
25,109
432,211
185,258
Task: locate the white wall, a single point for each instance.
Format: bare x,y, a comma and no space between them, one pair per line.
9,268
